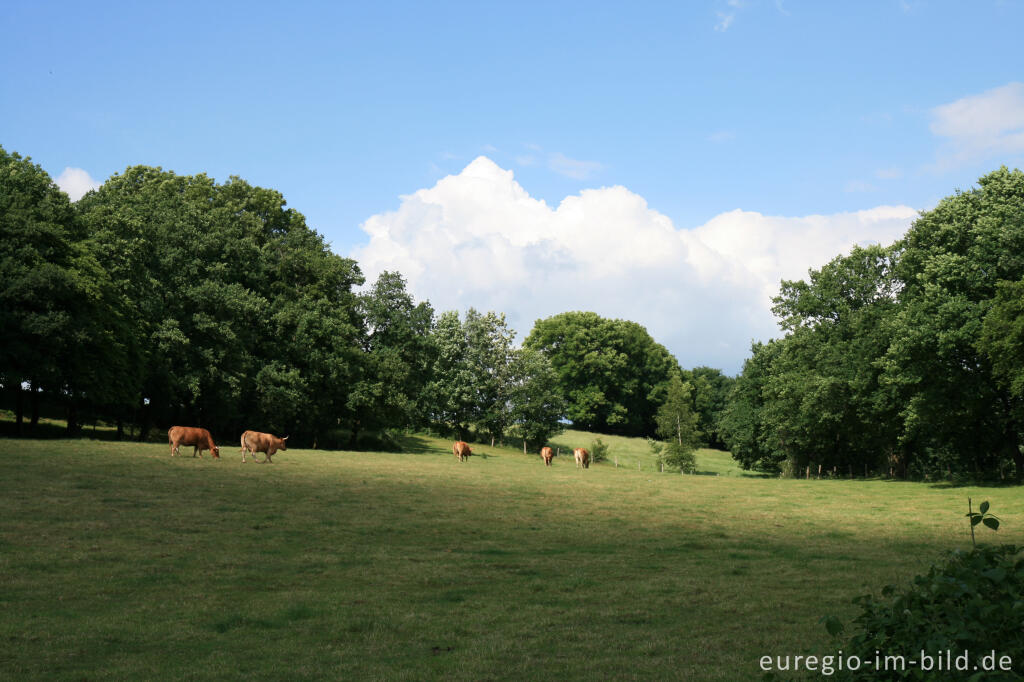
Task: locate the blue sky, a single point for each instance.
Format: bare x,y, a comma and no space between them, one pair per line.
774,108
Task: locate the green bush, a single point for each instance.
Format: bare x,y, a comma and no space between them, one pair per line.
680,457
972,602
598,451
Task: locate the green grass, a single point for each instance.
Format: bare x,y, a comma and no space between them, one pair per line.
630,452
117,561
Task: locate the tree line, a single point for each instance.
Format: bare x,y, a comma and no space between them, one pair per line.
163,299
905,359
160,299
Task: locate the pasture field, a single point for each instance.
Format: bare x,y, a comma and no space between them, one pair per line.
119,562
629,452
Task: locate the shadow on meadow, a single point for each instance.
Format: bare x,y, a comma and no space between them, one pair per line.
355,564
951,485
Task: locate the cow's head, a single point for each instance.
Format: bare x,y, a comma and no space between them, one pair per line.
215,451
284,446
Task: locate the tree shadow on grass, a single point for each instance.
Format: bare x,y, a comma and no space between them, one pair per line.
950,485
416,445
50,430
745,474
413,444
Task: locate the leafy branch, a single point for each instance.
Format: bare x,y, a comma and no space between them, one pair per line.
981,516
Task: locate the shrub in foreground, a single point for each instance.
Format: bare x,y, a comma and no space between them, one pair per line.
973,602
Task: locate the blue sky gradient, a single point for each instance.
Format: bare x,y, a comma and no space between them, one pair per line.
783,108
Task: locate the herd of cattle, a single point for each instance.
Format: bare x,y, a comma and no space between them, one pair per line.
200,439
267,443
462,451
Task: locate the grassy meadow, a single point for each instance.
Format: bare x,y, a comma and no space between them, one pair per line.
118,561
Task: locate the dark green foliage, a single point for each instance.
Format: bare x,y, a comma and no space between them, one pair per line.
37,256
676,421
677,425
479,380
711,391
981,516
244,316
537,406
598,451
1002,337
900,359
950,264
398,354
612,374
973,601
64,323
680,457
471,379
743,425
164,299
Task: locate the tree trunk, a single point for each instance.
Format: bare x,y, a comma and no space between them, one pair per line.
144,424
1018,461
120,429
72,413
19,407
524,446
35,410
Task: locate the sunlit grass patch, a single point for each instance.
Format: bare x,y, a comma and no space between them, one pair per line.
121,562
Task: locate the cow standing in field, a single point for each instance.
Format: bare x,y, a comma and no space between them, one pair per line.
199,439
547,454
582,458
461,450
267,443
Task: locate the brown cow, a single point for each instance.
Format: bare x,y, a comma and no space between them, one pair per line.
461,450
267,443
547,453
582,458
198,438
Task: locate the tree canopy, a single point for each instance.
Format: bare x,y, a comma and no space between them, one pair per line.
611,373
902,357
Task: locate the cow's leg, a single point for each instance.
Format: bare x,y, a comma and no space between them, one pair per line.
195,449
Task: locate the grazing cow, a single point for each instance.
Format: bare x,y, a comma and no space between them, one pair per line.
461,450
198,438
582,458
267,443
547,454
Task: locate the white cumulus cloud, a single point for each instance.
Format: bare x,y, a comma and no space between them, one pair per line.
981,126
479,239
75,182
